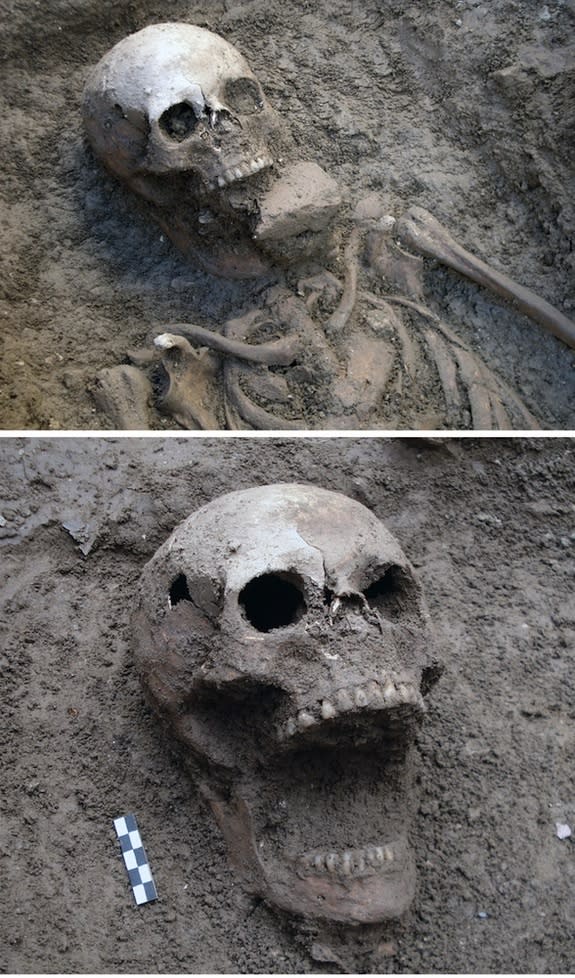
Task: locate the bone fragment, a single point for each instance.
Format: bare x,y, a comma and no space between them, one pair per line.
401,270
243,408
280,352
523,417
342,314
500,395
419,230
123,394
191,375
479,400
447,373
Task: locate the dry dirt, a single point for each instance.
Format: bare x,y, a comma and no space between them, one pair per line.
461,106
490,527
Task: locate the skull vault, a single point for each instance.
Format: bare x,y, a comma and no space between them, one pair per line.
282,637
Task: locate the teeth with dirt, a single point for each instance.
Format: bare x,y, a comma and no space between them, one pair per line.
328,710
350,862
243,170
399,700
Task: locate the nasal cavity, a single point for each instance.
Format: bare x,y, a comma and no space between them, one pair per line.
272,601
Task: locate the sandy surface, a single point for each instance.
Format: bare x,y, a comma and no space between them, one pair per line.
490,527
464,108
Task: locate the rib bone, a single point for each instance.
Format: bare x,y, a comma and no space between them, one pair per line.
344,310
419,230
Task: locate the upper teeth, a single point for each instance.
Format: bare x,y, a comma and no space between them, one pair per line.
327,710
242,170
375,694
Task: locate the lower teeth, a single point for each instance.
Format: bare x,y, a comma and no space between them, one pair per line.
351,862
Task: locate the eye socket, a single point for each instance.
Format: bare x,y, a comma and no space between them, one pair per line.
392,594
178,122
179,590
201,593
272,601
243,95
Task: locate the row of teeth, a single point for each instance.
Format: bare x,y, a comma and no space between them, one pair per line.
242,171
378,695
352,862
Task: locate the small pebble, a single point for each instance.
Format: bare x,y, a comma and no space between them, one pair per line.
483,915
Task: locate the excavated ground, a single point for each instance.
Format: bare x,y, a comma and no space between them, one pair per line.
490,528
461,106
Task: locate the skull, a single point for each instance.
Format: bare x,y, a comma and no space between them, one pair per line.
176,112
283,638
174,97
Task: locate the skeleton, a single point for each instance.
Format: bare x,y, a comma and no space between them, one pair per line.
282,636
177,114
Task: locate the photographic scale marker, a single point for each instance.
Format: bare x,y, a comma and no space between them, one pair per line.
135,859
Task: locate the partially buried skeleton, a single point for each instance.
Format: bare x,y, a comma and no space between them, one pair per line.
177,114
282,636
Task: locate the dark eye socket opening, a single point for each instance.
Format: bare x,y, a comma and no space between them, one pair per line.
273,601
243,95
179,590
178,122
392,593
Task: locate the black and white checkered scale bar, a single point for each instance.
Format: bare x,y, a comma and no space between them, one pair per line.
137,865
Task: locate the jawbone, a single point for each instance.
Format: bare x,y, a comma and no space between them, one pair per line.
359,886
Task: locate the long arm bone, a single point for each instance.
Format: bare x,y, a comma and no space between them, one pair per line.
280,352
420,231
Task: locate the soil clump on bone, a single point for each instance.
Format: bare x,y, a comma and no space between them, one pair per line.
462,108
488,525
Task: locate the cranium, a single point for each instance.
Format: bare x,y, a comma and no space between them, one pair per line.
282,635
176,112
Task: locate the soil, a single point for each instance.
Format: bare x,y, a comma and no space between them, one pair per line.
461,106
489,525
